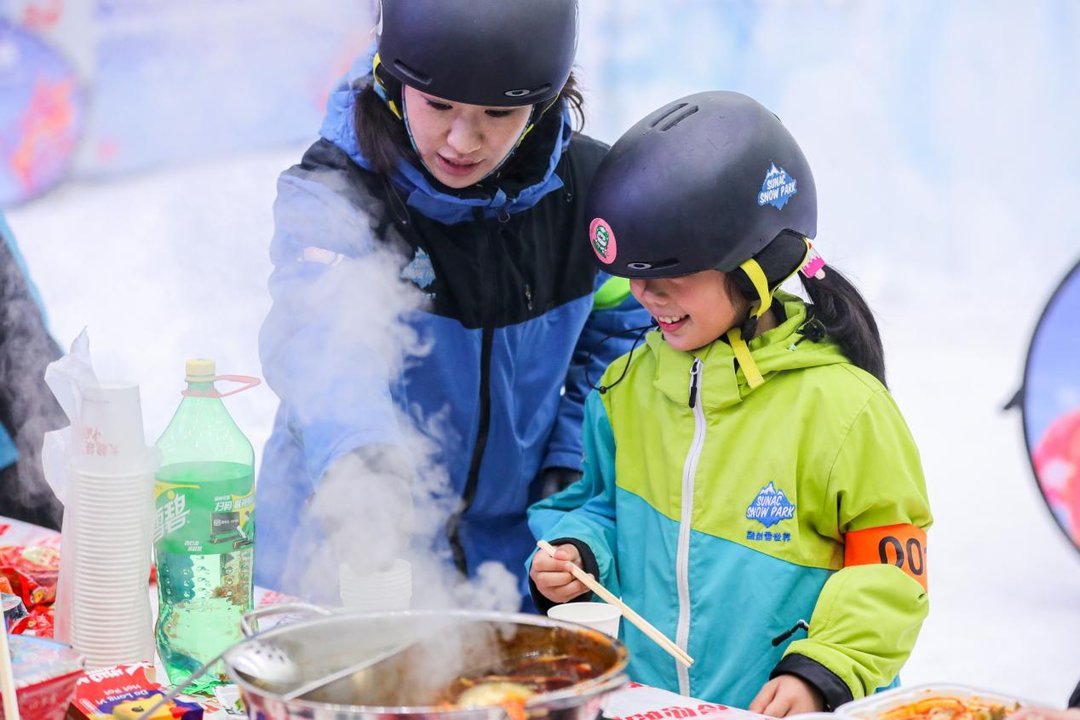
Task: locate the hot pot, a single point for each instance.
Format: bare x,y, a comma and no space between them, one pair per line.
415,656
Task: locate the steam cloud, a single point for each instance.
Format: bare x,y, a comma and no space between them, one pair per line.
362,514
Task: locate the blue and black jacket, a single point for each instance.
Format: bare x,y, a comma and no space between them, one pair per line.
515,311
27,407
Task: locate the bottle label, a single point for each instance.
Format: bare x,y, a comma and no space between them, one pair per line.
204,508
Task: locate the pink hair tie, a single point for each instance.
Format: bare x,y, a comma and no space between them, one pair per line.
814,266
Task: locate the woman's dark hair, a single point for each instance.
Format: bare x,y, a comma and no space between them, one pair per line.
382,137
844,314
847,318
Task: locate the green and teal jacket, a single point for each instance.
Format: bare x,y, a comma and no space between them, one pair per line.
725,515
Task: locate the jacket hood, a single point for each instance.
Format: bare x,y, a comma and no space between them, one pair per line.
722,382
339,127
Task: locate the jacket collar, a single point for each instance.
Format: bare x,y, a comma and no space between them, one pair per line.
722,383
339,127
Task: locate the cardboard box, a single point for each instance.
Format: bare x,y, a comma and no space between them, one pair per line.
125,692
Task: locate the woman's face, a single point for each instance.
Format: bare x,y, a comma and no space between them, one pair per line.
692,310
458,143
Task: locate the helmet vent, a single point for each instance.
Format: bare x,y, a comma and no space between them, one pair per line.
415,75
674,115
525,93
653,265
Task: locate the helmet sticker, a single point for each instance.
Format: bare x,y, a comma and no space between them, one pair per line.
777,188
814,265
602,238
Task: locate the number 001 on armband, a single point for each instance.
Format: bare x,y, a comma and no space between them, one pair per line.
901,545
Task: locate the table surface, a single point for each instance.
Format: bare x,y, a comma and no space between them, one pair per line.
634,702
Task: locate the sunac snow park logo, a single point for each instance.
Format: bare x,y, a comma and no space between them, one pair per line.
770,507
777,188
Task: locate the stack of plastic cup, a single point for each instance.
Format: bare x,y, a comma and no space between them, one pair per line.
108,529
390,589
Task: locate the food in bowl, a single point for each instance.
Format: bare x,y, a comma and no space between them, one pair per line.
527,675
950,708
512,684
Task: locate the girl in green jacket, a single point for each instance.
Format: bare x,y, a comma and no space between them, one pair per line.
748,476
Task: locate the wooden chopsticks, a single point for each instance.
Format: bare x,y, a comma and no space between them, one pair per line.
641,623
7,676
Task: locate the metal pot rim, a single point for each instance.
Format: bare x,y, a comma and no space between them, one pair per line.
611,679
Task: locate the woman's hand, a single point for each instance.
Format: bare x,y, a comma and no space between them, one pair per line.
787,695
552,574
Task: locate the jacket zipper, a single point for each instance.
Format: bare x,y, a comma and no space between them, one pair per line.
682,560
487,338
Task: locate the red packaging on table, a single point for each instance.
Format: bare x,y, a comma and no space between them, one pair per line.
39,623
45,675
31,572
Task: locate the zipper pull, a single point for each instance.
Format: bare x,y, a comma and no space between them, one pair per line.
800,625
695,374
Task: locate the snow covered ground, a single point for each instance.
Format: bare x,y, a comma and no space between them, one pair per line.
947,174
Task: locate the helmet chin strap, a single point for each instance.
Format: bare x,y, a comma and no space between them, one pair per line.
745,330
748,327
380,88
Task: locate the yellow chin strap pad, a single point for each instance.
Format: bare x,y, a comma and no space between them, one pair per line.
532,123
760,307
746,360
381,89
761,284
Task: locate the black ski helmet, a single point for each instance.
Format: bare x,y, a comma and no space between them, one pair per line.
497,53
705,182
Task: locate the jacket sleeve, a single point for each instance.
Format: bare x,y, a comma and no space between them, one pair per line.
584,513
867,617
332,338
27,407
604,338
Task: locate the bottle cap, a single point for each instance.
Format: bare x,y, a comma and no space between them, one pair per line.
200,370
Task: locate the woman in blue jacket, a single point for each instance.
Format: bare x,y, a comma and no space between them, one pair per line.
449,159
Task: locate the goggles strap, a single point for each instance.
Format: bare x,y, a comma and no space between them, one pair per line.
380,88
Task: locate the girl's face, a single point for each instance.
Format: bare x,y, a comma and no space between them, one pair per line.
461,144
692,310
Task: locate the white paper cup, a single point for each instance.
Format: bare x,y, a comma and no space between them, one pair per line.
109,437
596,615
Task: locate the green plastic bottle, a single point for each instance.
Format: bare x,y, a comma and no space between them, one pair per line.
204,533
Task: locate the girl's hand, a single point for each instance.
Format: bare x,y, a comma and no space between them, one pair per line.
787,695
552,574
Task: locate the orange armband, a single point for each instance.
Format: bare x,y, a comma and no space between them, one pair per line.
901,545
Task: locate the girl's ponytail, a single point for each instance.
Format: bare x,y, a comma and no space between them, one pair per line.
840,307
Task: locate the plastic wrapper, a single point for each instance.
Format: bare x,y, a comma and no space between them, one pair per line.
38,623
45,675
12,604
31,573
